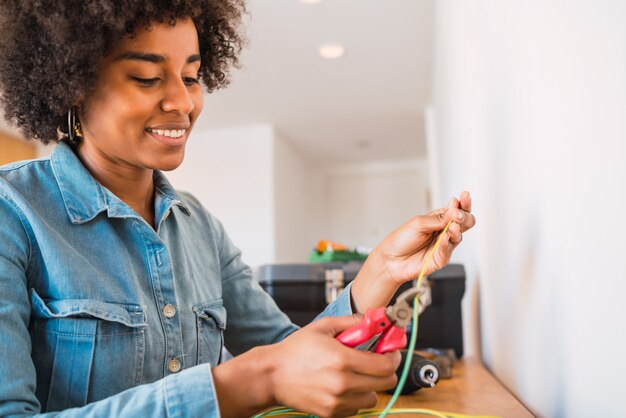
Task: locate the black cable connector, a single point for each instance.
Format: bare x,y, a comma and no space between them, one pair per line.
424,373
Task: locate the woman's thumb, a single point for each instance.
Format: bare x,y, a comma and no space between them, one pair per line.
335,325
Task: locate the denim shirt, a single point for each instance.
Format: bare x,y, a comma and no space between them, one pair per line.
102,315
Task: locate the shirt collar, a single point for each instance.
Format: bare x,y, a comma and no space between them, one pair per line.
85,198
166,196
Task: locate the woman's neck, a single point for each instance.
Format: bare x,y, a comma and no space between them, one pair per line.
132,185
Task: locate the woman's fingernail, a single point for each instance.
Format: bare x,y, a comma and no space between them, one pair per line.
459,215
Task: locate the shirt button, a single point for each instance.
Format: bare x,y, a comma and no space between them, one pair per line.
173,365
169,310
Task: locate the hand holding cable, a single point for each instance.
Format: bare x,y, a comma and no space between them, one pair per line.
400,257
404,251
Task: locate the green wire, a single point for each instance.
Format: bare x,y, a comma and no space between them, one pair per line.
409,356
407,362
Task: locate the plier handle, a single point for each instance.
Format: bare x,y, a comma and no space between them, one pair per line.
388,325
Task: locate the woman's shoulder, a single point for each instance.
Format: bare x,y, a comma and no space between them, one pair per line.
194,205
196,208
25,176
189,199
23,164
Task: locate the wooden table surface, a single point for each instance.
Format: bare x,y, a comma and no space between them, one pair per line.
472,390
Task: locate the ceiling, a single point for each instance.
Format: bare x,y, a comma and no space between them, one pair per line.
366,106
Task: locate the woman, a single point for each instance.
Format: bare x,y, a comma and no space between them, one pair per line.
117,292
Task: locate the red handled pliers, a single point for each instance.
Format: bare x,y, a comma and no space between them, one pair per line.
388,325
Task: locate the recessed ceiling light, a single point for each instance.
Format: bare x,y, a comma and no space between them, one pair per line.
332,50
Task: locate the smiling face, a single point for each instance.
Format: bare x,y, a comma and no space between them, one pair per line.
146,101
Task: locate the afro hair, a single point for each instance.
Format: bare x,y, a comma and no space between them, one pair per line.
51,49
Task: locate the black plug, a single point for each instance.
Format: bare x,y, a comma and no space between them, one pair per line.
423,373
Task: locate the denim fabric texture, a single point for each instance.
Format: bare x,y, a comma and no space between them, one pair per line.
84,286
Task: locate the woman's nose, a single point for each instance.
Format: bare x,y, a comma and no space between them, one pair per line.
177,98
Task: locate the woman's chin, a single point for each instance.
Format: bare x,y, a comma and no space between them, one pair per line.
170,165
170,161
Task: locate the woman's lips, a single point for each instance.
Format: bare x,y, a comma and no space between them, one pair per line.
169,136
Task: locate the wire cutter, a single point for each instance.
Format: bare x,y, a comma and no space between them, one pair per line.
384,329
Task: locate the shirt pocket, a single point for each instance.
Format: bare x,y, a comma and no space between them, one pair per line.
210,326
85,349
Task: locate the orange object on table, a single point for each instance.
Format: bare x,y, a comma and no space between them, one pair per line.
325,245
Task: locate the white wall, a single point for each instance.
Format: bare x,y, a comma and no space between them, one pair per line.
368,201
295,200
529,104
231,172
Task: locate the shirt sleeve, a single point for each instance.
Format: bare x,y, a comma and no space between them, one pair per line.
341,306
253,317
190,393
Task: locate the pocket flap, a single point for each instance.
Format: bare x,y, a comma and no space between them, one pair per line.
128,314
213,310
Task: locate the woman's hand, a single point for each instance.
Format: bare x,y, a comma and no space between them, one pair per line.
315,373
404,251
401,255
309,371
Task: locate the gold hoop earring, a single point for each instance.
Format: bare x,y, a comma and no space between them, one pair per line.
75,132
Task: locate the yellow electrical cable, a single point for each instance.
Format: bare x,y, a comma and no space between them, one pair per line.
420,278
407,363
288,412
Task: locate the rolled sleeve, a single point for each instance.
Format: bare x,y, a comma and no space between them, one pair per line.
188,394
191,393
341,306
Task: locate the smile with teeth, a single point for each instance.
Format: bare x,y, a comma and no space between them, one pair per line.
172,133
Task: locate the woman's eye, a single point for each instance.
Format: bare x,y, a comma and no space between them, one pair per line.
190,81
145,81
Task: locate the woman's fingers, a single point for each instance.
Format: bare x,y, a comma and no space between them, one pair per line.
334,325
459,212
467,222
454,233
374,364
356,383
360,362
439,218
350,405
466,201
366,371
465,207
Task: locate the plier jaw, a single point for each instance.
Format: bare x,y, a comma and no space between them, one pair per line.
387,324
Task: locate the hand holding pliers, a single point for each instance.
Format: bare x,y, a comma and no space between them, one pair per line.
388,325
